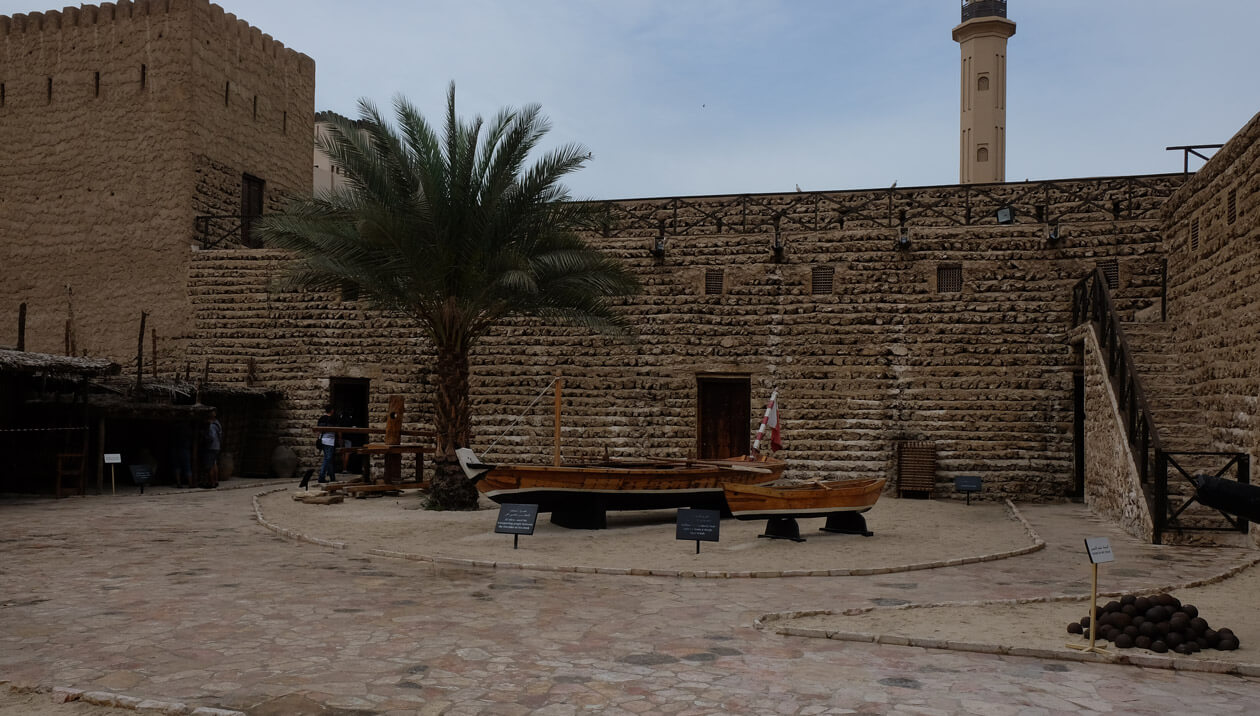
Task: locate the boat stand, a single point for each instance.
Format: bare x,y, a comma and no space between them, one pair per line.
783,528
579,519
846,523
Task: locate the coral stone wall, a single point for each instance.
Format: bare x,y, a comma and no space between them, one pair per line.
1213,234
984,372
109,127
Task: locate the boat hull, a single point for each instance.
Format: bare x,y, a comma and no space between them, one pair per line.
752,502
624,486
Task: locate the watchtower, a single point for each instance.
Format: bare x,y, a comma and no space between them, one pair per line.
982,138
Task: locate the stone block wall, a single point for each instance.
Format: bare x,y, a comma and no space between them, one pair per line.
108,117
1213,235
1112,486
984,372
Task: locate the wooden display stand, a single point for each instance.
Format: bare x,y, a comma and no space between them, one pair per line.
390,450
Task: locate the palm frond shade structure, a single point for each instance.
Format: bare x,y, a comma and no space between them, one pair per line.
456,231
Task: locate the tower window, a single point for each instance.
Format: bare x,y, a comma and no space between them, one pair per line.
948,279
982,83
255,106
713,280
982,154
1,94
1231,206
284,123
822,280
1194,234
144,76
227,91
97,90
50,90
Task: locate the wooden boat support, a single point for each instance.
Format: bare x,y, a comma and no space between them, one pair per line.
578,496
841,501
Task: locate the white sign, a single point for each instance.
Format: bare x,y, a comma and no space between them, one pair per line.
1099,549
113,458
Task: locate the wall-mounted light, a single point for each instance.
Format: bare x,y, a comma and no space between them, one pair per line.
1005,215
658,247
777,246
1052,234
903,240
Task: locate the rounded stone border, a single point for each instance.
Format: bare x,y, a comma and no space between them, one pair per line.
65,694
1177,663
1037,544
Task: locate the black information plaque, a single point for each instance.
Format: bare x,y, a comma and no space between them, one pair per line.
141,475
516,519
699,525
968,483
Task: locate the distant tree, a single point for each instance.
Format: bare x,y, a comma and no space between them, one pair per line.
457,233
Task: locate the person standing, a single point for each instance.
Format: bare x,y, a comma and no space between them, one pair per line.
328,444
214,443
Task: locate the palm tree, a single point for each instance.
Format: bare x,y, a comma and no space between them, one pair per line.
457,233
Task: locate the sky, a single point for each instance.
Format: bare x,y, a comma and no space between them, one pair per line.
693,97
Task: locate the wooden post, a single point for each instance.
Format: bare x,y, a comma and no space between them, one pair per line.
153,332
559,386
140,353
68,336
21,344
100,456
393,436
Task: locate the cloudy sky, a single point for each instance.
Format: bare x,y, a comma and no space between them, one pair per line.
682,97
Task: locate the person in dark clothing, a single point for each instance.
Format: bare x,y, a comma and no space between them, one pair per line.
327,444
210,459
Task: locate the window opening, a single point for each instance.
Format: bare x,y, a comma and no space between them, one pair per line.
822,280
227,89
1231,209
284,123
982,154
255,106
982,84
948,279
713,281
50,90
1194,234
144,76
97,90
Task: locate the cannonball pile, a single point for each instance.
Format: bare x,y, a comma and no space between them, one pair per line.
1159,622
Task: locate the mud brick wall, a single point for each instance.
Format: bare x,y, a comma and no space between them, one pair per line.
1213,234
1112,487
109,114
984,372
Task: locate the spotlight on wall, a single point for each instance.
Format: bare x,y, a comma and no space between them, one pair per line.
777,246
903,241
1052,234
1005,215
658,248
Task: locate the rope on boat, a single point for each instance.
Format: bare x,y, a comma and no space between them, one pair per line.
523,413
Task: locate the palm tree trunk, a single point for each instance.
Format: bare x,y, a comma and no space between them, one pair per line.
451,490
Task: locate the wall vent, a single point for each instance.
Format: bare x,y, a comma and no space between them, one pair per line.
1194,234
916,467
1111,270
822,280
1231,208
948,279
713,281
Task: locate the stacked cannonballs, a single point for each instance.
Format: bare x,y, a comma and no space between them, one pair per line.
1159,622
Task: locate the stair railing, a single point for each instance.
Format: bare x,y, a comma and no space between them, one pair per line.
1091,303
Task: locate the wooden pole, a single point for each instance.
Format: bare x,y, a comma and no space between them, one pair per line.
559,386
21,344
153,361
140,353
393,436
1093,617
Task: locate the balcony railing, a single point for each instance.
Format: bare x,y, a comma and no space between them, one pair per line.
983,8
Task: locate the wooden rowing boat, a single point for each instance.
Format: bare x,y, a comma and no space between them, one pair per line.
754,502
577,495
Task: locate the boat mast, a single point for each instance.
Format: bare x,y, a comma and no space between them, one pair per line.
559,385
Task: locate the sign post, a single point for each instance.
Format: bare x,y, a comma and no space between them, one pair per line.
698,525
112,459
1099,551
968,484
516,520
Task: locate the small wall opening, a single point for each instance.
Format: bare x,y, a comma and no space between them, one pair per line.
822,280
144,76
713,281
227,92
96,91
982,154
948,278
50,90
982,83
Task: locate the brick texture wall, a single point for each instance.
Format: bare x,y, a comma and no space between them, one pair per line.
984,372
104,172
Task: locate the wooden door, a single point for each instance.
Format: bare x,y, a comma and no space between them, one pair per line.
723,416
251,207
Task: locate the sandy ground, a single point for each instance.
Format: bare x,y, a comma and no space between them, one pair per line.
646,539
1229,603
36,704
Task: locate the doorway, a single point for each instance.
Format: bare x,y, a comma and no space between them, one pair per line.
723,415
251,208
349,400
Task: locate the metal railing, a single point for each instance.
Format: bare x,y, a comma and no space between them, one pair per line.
221,231
983,8
1163,513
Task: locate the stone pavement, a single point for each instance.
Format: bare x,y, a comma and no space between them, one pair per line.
184,597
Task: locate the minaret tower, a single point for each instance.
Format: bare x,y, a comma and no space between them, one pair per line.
982,141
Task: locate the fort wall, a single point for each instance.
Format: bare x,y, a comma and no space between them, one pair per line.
112,148
886,353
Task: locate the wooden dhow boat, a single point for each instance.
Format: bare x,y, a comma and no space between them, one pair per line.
578,495
841,501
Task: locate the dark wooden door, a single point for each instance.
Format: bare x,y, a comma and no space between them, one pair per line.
251,207
723,416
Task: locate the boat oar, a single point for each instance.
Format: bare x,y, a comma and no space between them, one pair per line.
737,467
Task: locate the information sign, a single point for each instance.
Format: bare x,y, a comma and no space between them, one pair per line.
113,458
699,525
968,483
516,519
1099,549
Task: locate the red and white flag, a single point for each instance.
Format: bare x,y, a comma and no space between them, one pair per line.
769,420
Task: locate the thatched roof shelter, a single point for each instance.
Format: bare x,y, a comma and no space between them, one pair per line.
27,363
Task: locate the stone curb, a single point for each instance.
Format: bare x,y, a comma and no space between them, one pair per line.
66,694
1037,544
1154,661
